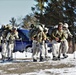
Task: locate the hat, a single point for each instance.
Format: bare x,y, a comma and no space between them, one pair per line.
65,25
60,24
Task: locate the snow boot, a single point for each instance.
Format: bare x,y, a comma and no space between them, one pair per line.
34,60
55,58
65,56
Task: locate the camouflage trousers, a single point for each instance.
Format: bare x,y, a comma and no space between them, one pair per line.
55,48
42,47
4,50
10,50
65,46
36,51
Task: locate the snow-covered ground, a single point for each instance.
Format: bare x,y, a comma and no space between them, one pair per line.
61,70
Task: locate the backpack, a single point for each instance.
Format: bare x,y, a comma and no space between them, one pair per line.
33,32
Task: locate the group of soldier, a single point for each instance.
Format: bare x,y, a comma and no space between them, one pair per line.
38,35
8,34
58,38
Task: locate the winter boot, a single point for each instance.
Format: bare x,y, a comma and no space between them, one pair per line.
65,56
55,58
59,57
3,58
34,60
41,58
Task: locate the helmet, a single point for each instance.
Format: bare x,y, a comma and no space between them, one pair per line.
65,25
5,26
9,27
14,28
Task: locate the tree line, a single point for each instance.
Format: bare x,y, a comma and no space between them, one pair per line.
50,12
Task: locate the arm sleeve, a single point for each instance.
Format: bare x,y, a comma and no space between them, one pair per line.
63,36
16,35
69,33
7,37
53,34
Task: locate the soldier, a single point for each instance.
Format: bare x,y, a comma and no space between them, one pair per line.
4,42
33,33
58,37
38,43
35,44
46,43
65,43
41,37
11,37
66,31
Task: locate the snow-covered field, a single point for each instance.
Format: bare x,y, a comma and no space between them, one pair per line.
61,67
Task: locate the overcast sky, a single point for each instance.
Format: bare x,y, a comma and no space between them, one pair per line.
14,8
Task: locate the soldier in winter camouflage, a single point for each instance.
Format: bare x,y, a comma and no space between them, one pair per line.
65,43
46,43
4,32
38,44
41,37
58,37
11,37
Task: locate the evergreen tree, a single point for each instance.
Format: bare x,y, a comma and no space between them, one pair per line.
56,11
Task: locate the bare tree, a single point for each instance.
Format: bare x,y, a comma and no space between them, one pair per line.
13,21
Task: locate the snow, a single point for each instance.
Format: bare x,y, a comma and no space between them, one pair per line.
52,71
11,68
65,71
22,55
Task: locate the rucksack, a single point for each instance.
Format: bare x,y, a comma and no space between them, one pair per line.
33,32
